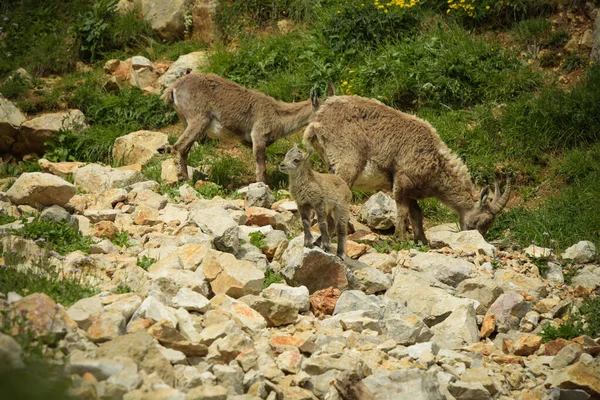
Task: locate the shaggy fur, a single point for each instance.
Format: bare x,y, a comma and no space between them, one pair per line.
210,105
328,194
372,146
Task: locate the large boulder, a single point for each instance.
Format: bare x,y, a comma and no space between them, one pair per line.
186,64
39,130
446,269
379,212
230,276
40,189
481,289
582,252
459,329
463,241
313,268
413,383
139,147
166,17
11,118
94,178
143,74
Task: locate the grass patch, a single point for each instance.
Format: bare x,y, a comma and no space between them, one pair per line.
567,330
122,239
145,262
258,239
271,277
61,237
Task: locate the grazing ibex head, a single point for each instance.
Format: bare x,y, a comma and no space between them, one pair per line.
484,212
294,160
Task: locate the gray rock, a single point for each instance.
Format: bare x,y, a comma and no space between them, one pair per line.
155,309
11,354
40,189
166,18
459,329
462,241
312,268
354,300
566,356
258,196
34,133
59,214
185,64
403,326
468,391
147,198
231,377
555,274
297,295
481,289
448,270
11,118
372,280
511,280
227,275
432,304
581,253
104,247
588,277
595,53
357,321
139,147
94,178
190,300
216,221
379,212
508,309
414,384
567,394
275,311
537,252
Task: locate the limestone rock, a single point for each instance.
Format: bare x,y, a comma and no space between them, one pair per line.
581,375
468,391
276,312
38,188
259,216
61,169
403,326
139,147
186,64
566,356
353,300
413,383
43,317
379,212
482,289
511,280
297,295
526,345
11,118
230,276
94,178
258,196
168,19
448,270
582,252
39,130
217,222
459,329
462,241
11,354
372,280
508,309
190,300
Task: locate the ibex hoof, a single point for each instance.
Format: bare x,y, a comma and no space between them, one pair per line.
310,245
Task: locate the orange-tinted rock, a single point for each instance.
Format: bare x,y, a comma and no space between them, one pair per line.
61,169
489,326
580,375
140,325
509,359
355,250
106,229
42,317
526,345
554,346
258,216
322,302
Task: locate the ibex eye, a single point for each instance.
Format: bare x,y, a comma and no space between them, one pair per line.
296,161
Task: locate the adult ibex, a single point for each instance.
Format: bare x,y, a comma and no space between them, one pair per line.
327,194
372,146
210,105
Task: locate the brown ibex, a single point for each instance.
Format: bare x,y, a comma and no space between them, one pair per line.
210,105
328,194
372,146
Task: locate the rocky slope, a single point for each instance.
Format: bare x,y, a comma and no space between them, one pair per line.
462,321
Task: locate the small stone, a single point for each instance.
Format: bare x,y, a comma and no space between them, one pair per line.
322,302
379,212
566,356
489,326
258,196
526,345
297,295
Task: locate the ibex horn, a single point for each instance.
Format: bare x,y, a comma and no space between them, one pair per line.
500,201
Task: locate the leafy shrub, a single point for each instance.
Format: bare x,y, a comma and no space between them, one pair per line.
558,39
61,237
226,171
590,310
567,330
258,239
145,262
101,29
549,60
14,86
122,239
211,190
573,61
358,24
271,277
533,30
499,11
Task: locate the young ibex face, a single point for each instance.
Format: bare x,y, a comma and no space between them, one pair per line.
293,160
484,212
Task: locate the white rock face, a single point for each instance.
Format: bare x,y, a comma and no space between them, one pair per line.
139,147
11,119
459,329
414,384
216,221
258,196
230,276
448,270
379,212
297,295
35,132
166,18
463,241
38,188
582,252
94,178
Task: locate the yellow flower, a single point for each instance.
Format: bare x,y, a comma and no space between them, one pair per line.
339,12
344,83
385,11
352,71
448,11
487,7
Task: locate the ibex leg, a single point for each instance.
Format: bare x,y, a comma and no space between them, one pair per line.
416,219
195,128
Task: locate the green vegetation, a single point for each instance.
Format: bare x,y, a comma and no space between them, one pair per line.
271,277
258,239
60,237
145,262
587,322
568,329
122,239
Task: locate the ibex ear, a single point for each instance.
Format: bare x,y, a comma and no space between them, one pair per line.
484,195
330,89
314,97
